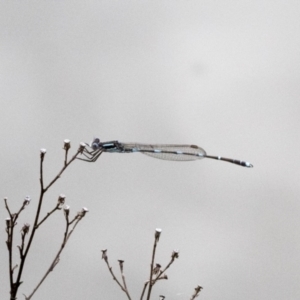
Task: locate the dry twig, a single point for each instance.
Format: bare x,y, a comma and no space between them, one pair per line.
11,222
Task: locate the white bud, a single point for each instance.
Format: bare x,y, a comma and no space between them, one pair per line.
27,200
67,210
81,147
67,144
61,199
157,233
25,228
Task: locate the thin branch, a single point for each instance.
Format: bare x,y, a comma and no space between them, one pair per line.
104,256
10,225
175,254
9,242
15,286
7,208
54,262
114,277
20,210
57,207
153,282
24,254
66,237
144,289
63,169
196,293
67,146
21,248
156,239
121,262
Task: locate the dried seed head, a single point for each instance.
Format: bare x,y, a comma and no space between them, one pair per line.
81,147
67,210
157,233
161,297
175,254
104,256
43,152
27,200
82,213
61,199
198,289
25,228
67,144
156,269
121,263
84,210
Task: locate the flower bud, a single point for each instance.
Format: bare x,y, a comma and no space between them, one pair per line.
25,228
67,210
43,152
27,200
121,263
156,269
84,210
175,254
67,144
81,147
61,199
198,289
104,256
82,213
157,233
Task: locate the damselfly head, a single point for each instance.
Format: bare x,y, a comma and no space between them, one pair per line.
95,143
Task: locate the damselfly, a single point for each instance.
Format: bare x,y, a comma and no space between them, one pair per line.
161,151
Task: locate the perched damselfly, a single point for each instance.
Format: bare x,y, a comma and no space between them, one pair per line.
161,151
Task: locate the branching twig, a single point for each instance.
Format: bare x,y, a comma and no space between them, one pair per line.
156,239
160,274
123,288
197,291
13,217
66,237
144,289
11,222
121,262
66,164
175,254
9,242
60,203
67,146
7,208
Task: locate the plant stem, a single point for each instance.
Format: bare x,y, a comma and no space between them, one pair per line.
43,190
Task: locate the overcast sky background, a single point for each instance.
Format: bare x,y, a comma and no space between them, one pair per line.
223,75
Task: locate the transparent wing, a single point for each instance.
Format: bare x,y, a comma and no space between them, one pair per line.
167,152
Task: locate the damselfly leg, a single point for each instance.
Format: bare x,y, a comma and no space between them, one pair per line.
91,156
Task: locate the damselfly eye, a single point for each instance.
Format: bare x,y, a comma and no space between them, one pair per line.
95,146
95,143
